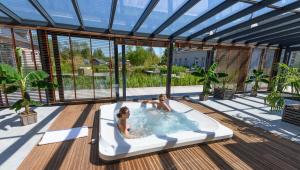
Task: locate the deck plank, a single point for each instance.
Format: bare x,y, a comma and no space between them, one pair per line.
250,148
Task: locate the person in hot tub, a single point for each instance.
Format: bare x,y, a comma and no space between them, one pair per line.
161,104
123,126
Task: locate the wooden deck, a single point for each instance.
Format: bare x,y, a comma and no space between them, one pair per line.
250,148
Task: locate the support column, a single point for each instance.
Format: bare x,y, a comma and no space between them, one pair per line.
46,62
124,72
169,69
58,67
116,53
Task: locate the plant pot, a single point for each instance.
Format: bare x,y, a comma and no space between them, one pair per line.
253,93
291,114
28,118
226,94
203,97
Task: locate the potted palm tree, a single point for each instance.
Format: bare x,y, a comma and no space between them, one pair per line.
286,77
13,79
223,92
257,77
207,77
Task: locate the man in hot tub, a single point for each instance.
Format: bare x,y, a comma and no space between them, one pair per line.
161,104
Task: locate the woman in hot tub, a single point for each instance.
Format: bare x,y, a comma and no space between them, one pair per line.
123,126
161,104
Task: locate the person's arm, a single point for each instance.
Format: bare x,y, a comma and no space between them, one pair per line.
167,107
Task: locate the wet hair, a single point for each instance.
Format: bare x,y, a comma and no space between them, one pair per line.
122,111
162,95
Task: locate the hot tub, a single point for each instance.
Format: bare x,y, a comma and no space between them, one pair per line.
199,128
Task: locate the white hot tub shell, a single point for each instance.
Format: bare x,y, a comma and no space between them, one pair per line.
113,146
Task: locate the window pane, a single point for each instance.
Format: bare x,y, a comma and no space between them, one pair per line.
23,9
95,13
102,59
162,11
261,11
61,11
235,22
225,13
82,67
199,9
127,13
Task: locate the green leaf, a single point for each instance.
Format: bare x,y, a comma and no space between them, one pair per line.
221,75
264,81
10,89
37,76
17,105
35,103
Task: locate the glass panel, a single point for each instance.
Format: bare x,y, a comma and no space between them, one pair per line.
23,9
127,13
83,67
254,64
267,63
95,13
162,11
235,22
61,11
7,57
2,14
225,13
184,62
199,9
282,3
102,59
146,71
66,66
295,59
261,11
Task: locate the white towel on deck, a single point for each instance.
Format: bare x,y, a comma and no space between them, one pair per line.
63,135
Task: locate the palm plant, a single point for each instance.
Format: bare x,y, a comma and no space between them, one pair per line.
286,77
207,77
257,76
12,79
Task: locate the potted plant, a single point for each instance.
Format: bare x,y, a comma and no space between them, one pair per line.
257,76
207,77
223,92
12,79
286,77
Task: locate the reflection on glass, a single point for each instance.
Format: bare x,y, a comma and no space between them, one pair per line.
95,12
225,13
197,10
61,11
162,11
127,13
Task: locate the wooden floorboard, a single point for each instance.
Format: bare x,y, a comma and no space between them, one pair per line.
250,148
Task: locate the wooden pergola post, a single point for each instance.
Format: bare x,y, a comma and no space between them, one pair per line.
169,69
116,58
123,72
58,67
46,62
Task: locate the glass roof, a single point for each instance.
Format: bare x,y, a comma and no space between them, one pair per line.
94,12
284,2
24,9
261,11
199,9
2,14
127,13
225,13
162,11
61,11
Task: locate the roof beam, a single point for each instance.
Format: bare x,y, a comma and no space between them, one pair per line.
204,17
260,18
268,31
11,14
253,31
112,14
274,35
144,16
290,42
188,5
43,12
278,38
234,17
78,13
